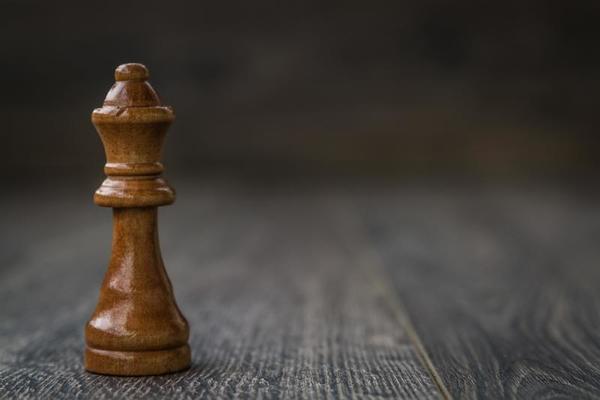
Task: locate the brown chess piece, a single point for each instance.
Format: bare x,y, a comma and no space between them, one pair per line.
137,328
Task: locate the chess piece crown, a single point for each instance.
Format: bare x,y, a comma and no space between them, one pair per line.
137,327
132,125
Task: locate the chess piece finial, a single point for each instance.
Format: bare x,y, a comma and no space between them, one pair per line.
137,328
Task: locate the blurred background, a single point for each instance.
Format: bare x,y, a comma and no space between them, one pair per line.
478,90
268,94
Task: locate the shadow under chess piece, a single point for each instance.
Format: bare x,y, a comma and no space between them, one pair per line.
137,328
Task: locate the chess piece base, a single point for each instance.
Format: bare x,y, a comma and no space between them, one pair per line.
136,363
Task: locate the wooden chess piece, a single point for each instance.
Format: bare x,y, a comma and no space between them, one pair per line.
137,328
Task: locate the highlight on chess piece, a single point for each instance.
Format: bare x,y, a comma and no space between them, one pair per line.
137,328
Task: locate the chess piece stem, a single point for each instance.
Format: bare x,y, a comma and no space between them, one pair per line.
137,328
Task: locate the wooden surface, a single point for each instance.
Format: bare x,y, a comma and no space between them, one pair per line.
502,286
315,292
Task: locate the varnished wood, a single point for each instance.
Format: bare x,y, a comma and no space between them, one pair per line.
137,328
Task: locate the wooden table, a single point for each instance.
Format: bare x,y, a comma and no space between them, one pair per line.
322,291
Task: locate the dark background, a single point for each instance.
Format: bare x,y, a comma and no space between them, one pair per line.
485,90
435,244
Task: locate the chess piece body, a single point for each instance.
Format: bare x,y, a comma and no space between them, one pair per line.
137,328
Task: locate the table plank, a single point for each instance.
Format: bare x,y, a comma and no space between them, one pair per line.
278,303
502,285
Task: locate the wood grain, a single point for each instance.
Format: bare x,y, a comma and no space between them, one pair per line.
278,302
502,285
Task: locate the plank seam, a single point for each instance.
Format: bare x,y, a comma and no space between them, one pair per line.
402,317
376,273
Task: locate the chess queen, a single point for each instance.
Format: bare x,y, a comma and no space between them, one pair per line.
137,328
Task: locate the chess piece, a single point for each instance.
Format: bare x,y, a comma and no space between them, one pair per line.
137,328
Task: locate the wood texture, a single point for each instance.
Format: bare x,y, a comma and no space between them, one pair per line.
502,286
279,304
136,328
323,293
